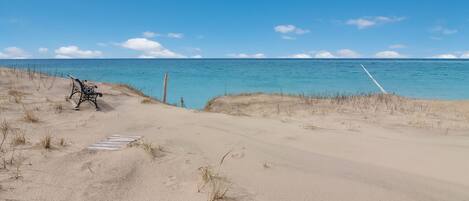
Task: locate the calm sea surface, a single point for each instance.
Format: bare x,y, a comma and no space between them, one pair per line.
198,80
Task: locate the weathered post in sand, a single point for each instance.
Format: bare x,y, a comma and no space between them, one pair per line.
165,86
182,102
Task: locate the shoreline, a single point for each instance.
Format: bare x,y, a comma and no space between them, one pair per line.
326,94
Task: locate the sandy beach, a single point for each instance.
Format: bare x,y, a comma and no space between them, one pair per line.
267,147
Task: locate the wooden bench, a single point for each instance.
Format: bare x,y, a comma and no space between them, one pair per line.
86,90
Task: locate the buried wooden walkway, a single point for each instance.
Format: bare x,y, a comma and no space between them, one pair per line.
114,142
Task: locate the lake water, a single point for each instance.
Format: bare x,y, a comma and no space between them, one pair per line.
198,80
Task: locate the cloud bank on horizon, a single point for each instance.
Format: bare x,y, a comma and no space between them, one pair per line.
306,30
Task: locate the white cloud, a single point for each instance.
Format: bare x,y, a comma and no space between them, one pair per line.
150,48
149,34
462,55
286,29
288,37
445,56
141,44
193,49
324,54
366,22
342,53
465,55
73,51
175,35
397,46
13,53
196,56
361,23
107,44
243,55
389,54
42,50
300,56
443,30
101,44
347,53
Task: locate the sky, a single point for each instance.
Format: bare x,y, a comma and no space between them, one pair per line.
233,29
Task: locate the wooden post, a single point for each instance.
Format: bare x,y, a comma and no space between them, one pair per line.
182,102
165,86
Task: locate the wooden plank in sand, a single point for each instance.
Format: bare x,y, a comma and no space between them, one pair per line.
114,142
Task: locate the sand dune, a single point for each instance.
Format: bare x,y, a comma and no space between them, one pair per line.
277,147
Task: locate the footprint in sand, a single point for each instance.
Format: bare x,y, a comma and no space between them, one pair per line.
238,155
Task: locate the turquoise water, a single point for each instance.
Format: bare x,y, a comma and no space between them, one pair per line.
198,80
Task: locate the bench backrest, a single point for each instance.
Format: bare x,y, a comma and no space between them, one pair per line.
77,82
83,88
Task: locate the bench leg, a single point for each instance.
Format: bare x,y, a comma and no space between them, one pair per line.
77,107
84,98
95,104
71,95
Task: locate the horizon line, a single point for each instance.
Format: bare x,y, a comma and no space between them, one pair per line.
225,58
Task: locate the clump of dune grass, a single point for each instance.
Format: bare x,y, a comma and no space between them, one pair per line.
18,139
46,142
18,171
58,108
4,129
129,90
155,151
218,190
30,117
218,186
17,162
320,103
147,101
17,95
207,174
62,142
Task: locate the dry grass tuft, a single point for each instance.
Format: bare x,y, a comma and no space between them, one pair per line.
30,117
62,142
207,174
129,89
218,190
46,142
18,139
364,104
4,129
58,108
147,101
218,186
18,162
17,95
155,151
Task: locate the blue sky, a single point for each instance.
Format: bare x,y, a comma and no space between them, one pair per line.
238,29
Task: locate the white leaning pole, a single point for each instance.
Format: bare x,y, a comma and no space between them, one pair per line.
376,82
